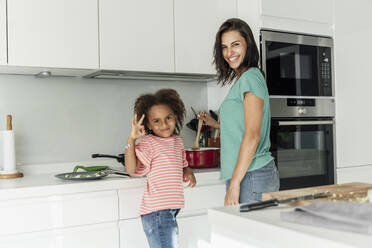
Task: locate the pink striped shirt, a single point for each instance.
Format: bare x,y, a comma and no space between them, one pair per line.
162,161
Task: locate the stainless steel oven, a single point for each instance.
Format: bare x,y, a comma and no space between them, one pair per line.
296,64
302,141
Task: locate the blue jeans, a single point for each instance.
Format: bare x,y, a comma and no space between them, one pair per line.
161,228
254,183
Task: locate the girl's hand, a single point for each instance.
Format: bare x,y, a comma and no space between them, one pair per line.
138,129
188,176
208,120
232,195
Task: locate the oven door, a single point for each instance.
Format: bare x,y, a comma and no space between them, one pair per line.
296,65
303,151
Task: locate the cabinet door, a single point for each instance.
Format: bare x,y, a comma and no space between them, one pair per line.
53,33
136,35
104,235
196,25
132,234
192,229
314,17
3,46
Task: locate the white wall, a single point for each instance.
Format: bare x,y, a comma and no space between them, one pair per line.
66,119
353,82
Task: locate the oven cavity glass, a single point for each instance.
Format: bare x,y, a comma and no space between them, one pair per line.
297,69
303,153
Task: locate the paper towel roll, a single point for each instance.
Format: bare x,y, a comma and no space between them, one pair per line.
8,152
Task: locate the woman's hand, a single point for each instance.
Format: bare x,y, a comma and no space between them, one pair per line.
138,129
188,176
232,194
208,120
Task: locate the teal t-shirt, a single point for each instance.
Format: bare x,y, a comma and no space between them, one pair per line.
232,123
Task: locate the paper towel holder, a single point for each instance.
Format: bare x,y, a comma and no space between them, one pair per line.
12,173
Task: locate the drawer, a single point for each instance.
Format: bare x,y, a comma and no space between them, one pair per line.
42,213
198,198
129,202
105,235
203,197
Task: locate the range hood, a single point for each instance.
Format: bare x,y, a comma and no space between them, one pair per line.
158,76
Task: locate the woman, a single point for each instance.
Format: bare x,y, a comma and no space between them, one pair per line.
246,162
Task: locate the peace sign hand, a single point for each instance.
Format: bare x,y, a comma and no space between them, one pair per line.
138,129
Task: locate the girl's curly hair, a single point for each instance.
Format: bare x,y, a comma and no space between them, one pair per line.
167,97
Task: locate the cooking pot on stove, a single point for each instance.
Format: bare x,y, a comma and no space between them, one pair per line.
205,157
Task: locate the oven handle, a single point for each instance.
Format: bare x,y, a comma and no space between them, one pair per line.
302,123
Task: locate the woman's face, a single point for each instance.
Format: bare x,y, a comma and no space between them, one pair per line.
161,120
234,48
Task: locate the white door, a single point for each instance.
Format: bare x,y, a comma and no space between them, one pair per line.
3,46
53,33
131,234
136,35
196,25
104,235
192,229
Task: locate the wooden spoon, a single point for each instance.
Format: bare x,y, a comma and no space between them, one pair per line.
200,124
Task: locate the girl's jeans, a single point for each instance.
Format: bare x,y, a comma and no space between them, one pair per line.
161,228
254,183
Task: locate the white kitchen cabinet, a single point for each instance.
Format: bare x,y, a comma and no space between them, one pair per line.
361,174
353,37
192,229
196,25
53,33
132,234
59,211
3,45
136,35
105,235
312,17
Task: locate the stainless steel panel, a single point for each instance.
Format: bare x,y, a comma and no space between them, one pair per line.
324,107
296,39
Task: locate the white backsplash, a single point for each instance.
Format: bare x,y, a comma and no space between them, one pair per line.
66,119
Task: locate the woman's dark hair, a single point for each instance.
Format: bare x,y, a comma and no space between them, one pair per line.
167,97
225,74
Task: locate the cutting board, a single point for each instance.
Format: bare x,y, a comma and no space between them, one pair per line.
338,192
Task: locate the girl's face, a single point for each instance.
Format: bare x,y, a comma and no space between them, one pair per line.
234,48
161,120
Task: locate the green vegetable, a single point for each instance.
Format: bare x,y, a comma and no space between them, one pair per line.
90,168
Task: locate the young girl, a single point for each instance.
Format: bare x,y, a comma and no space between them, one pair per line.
159,155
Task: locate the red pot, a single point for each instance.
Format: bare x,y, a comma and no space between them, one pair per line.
206,157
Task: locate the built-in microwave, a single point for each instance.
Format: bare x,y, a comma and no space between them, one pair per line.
296,64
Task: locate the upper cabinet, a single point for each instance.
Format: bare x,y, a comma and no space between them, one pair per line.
196,25
3,45
315,17
52,33
136,35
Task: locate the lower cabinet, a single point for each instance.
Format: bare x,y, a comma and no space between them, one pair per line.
191,230
105,235
362,174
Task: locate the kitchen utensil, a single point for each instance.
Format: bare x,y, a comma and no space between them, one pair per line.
276,202
91,173
193,110
215,141
205,157
8,154
200,124
119,158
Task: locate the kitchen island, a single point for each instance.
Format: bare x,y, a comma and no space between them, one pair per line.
264,228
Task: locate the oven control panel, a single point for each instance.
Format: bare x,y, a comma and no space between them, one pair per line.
300,102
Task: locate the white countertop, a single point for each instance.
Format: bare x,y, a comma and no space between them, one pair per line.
35,184
263,228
